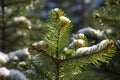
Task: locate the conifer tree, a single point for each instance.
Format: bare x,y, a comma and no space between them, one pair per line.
55,58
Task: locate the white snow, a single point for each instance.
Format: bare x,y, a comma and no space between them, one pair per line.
63,18
3,57
18,54
23,19
17,75
4,72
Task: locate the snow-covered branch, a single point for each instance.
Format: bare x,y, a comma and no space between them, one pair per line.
23,19
11,74
93,49
15,55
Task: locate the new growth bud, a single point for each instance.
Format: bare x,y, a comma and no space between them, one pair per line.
80,36
65,20
57,12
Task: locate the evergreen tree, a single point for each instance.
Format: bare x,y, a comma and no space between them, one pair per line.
54,58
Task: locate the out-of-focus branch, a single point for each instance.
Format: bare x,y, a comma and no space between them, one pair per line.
11,74
15,55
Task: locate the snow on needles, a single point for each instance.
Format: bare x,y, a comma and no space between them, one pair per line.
11,74
92,49
17,75
16,55
65,19
23,19
3,57
4,72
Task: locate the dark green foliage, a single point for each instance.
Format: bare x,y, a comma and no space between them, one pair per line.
108,17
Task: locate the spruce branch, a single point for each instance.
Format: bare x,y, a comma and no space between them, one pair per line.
43,73
104,12
109,16
105,46
94,49
41,47
64,32
92,33
68,60
13,56
59,25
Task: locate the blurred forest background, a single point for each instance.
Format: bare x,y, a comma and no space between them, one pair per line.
22,23
79,11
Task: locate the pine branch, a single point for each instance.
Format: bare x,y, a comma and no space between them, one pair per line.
92,33
104,12
59,25
15,55
41,47
108,17
43,74
68,61
64,33
95,49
